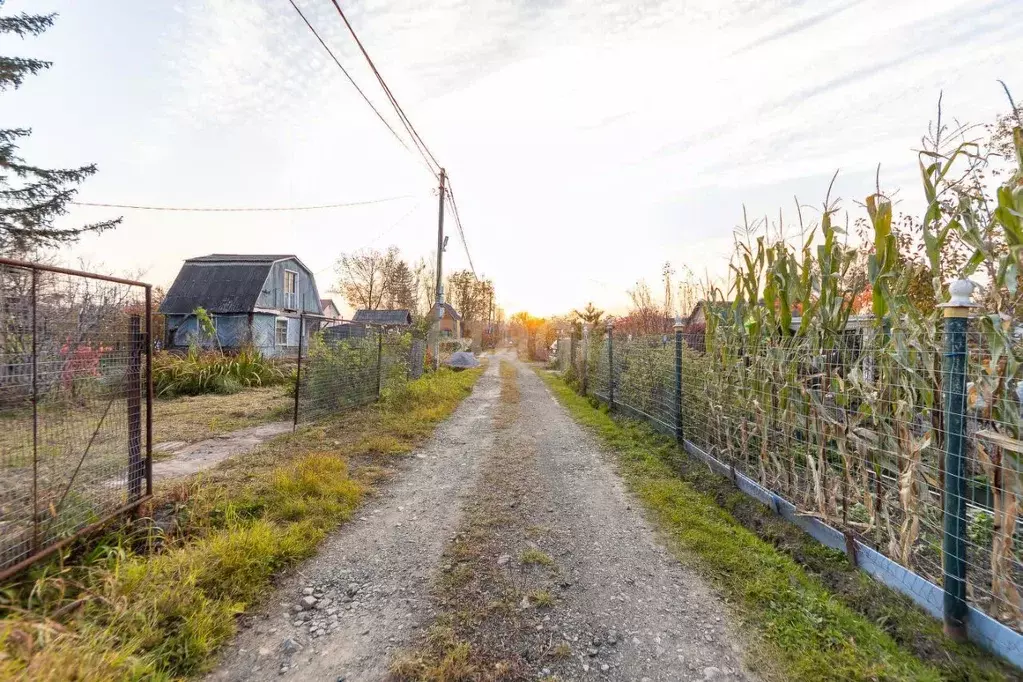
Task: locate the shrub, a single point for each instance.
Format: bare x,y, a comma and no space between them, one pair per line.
200,372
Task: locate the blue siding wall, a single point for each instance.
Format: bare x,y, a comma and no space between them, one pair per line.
273,297
233,333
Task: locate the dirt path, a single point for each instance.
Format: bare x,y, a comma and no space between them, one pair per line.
186,459
511,527
371,580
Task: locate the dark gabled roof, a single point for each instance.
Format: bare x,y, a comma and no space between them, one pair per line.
386,317
219,287
451,311
240,258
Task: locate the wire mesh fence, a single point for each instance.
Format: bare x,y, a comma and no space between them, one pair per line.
343,365
75,405
854,429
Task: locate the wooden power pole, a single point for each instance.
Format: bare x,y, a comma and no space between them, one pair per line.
440,271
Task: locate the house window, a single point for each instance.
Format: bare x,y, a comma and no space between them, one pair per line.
291,290
281,332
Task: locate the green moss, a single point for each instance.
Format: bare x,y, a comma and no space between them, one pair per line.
806,631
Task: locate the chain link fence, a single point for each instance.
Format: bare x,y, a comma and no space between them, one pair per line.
899,446
75,405
344,364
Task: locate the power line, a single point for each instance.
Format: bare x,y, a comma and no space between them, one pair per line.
382,234
349,77
416,139
239,209
461,230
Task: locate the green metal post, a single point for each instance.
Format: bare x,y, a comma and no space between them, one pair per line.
954,382
679,434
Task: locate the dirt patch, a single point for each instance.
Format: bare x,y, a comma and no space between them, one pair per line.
190,419
186,460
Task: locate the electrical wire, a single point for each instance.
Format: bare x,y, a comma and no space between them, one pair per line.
461,230
349,77
239,209
424,151
381,235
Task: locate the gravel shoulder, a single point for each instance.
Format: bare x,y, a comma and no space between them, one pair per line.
346,611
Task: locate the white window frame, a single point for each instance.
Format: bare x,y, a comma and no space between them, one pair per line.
291,297
277,328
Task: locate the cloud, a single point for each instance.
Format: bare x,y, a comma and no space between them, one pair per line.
582,137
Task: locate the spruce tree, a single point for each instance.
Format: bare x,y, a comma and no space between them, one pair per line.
32,198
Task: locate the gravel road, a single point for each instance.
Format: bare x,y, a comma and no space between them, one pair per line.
623,607
345,612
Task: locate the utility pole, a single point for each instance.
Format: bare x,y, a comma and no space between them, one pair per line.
440,271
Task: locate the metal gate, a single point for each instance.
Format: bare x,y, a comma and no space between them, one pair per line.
75,405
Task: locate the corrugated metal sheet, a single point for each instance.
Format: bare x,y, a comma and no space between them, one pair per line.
217,287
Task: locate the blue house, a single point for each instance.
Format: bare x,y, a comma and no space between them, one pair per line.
253,300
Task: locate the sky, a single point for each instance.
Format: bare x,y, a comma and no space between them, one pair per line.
587,142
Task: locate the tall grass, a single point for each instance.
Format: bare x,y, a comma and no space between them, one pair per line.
199,372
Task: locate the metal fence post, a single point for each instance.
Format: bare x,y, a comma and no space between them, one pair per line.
149,390
679,436
298,371
956,312
586,356
380,362
610,365
136,466
35,415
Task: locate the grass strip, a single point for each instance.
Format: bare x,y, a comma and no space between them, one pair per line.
154,600
813,614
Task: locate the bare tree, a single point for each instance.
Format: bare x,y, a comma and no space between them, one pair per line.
365,276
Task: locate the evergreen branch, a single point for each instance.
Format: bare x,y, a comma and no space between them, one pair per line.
14,69
26,24
9,135
56,177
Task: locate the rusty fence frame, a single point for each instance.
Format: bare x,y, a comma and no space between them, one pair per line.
140,441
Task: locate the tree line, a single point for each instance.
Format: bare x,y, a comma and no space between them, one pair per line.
371,279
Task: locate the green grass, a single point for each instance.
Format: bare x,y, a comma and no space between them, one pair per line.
138,605
800,629
535,557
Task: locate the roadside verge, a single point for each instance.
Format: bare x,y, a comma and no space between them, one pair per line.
816,617
155,600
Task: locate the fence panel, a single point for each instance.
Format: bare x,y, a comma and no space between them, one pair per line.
854,434
338,372
75,405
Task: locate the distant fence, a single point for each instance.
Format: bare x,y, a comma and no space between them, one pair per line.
343,364
75,405
896,451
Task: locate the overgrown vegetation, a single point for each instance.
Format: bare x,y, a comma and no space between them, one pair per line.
199,372
815,616
154,600
818,369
